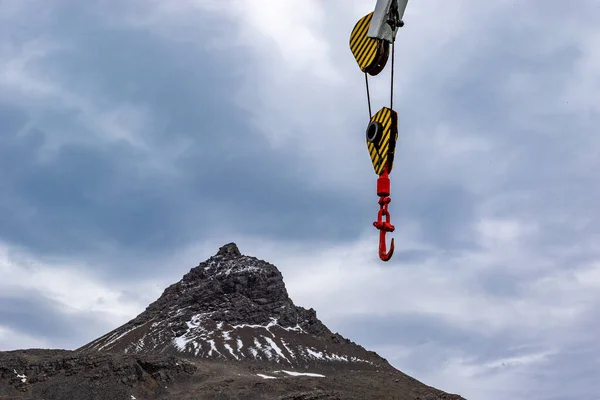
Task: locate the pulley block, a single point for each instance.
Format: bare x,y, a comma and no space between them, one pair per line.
370,54
381,136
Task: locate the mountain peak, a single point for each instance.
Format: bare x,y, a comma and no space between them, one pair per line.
230,250
234,306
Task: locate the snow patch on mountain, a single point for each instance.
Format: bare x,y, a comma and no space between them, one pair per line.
23,377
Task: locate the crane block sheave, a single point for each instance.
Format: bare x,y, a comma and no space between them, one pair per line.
370,42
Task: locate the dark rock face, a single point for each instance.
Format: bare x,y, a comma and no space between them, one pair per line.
67,375
59,374
229,250
235,307
227,330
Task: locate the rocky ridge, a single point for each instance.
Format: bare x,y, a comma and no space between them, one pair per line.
234,307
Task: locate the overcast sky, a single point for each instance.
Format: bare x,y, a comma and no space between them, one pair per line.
138,136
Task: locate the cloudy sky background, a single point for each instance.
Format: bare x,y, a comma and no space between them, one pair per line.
139,136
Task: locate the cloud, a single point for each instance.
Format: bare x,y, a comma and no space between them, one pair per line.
449,320
43,287
11,340
139,137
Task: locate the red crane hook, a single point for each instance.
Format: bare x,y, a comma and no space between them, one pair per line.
384,226
385,256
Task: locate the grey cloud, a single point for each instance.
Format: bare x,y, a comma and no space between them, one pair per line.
502,283
35,315
225,171
413,256
571,373
445,212
432,342
432,339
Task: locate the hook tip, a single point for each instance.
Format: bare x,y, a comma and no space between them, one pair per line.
386,256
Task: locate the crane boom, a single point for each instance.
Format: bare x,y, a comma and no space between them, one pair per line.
387,18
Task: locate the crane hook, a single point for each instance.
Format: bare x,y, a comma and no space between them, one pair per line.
384,226
383,254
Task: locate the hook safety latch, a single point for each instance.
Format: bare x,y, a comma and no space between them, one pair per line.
384,226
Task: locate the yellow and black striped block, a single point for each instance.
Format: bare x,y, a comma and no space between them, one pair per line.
370,54
381,136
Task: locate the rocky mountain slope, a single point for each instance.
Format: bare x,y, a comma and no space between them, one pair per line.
234,307
227,330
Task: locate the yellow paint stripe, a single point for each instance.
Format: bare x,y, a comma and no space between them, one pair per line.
360,34
359,30
360,50
383,159
363,46
357,43
366,44
368,56
384,150
386,128
386,115
372,151
375,158
388,123
385,138
363,49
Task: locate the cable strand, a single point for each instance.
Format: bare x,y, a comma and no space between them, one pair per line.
368,95
392,80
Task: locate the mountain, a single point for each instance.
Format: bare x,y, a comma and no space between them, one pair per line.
235,307
228,329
